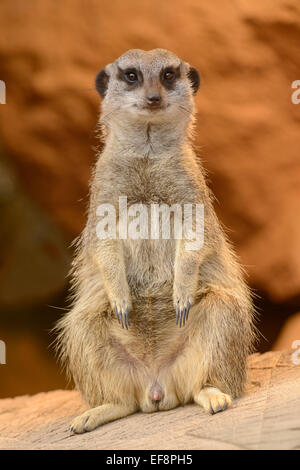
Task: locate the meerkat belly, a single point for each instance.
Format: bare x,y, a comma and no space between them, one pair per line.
153,342
154,337
151,349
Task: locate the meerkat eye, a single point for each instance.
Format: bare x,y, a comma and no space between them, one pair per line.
131,76
169,75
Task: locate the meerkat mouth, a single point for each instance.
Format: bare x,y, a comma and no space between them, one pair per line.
155,108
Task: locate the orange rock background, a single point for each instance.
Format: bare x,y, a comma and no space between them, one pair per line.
248,135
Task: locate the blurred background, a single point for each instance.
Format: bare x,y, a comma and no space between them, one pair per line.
248,135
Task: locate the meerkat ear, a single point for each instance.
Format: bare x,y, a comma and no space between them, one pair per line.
101,82
194,78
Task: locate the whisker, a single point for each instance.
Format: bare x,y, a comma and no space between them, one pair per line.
185,110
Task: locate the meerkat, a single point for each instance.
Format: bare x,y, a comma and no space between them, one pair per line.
153,325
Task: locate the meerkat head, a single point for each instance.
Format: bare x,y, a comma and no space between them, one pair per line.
147,86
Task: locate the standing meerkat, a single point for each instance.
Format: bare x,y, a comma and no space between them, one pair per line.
153,324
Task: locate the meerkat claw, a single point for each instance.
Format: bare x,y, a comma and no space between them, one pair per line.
127,316
125,321
182,314
123,318
117,314
187,311
184,317
177,314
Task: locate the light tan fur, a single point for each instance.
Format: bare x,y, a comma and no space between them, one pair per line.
148,157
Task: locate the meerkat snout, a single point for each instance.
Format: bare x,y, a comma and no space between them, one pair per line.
153,101
152,84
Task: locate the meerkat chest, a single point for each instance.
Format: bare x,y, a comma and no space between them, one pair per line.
152,181
149,197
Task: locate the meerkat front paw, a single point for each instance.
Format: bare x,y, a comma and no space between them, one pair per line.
182,312
213,400
122,309
182,304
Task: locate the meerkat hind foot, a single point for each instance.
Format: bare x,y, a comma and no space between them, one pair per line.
213,400
95,417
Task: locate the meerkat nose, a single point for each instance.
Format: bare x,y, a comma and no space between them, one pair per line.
153,100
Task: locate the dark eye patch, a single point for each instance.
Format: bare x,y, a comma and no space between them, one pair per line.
132,76
168,76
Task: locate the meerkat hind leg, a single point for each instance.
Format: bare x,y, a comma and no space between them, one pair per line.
102,414
212,400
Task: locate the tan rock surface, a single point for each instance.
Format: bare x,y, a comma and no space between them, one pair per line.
267,417
248,53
